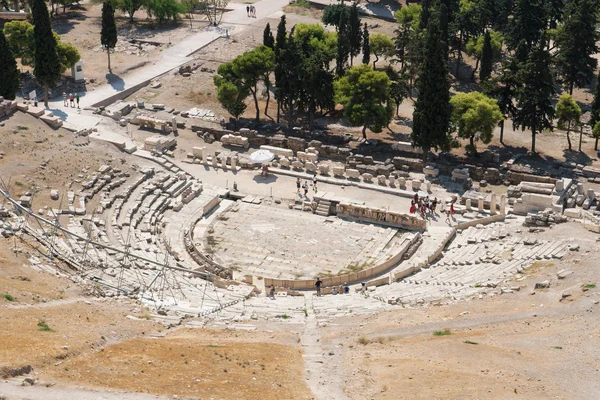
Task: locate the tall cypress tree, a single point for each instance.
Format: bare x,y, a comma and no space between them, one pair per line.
108,34
431,117
9,75
280,45
354,33
534,97
487,58
47,63
343,43
595,112
268,39
366,48
425,14
576,42
527,25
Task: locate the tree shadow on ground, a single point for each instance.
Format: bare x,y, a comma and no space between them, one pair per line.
115,81
63,23
577,157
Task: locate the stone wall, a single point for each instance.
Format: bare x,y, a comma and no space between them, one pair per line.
517,177
7,107
380,216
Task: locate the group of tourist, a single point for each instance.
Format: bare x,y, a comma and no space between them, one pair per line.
72,98
304,186
427,208
251,11
342,289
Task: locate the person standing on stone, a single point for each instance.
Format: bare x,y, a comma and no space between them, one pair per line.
77,99
318,284
272,292
65,99
346,288
247,11
315,182
298,184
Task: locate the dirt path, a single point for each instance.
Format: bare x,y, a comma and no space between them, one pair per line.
55,303
319,367
12,389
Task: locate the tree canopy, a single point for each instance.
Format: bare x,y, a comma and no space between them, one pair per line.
365,95
474,116
568,113
381,46
47,68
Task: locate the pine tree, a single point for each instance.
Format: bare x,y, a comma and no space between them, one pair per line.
343,44
354,33
527,25
268,39
47,63
576,42
431,117
366,49
9,74
280,45
534,97
595,111
487,58
108,34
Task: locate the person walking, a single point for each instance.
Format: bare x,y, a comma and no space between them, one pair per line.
254,11
434,205
71,100
305,187
77,99
272,292
298,184
247,11
315,182
318,284
65,99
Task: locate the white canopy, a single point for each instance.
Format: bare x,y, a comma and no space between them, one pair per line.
261,156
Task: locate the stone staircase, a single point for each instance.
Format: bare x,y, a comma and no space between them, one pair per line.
323,208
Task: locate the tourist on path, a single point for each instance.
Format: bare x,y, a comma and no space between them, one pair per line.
71,100
434,205
272,292
305,187
247,11
318,284
315,182
77,99
65,99
298,184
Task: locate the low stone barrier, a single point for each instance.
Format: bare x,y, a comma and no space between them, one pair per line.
380,216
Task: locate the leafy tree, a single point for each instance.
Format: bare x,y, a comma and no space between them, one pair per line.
475,48
131,6
381,46
487,57
366,49
595,111
365,95
568,114
9,74
534,97
67,54
231,98
596,133
268,39
343,44
399,88
354,33
21,42
408,25
19,35
469,22
474,116
47,64
576,41
108,34
251,67
212,9
431,117
164,10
